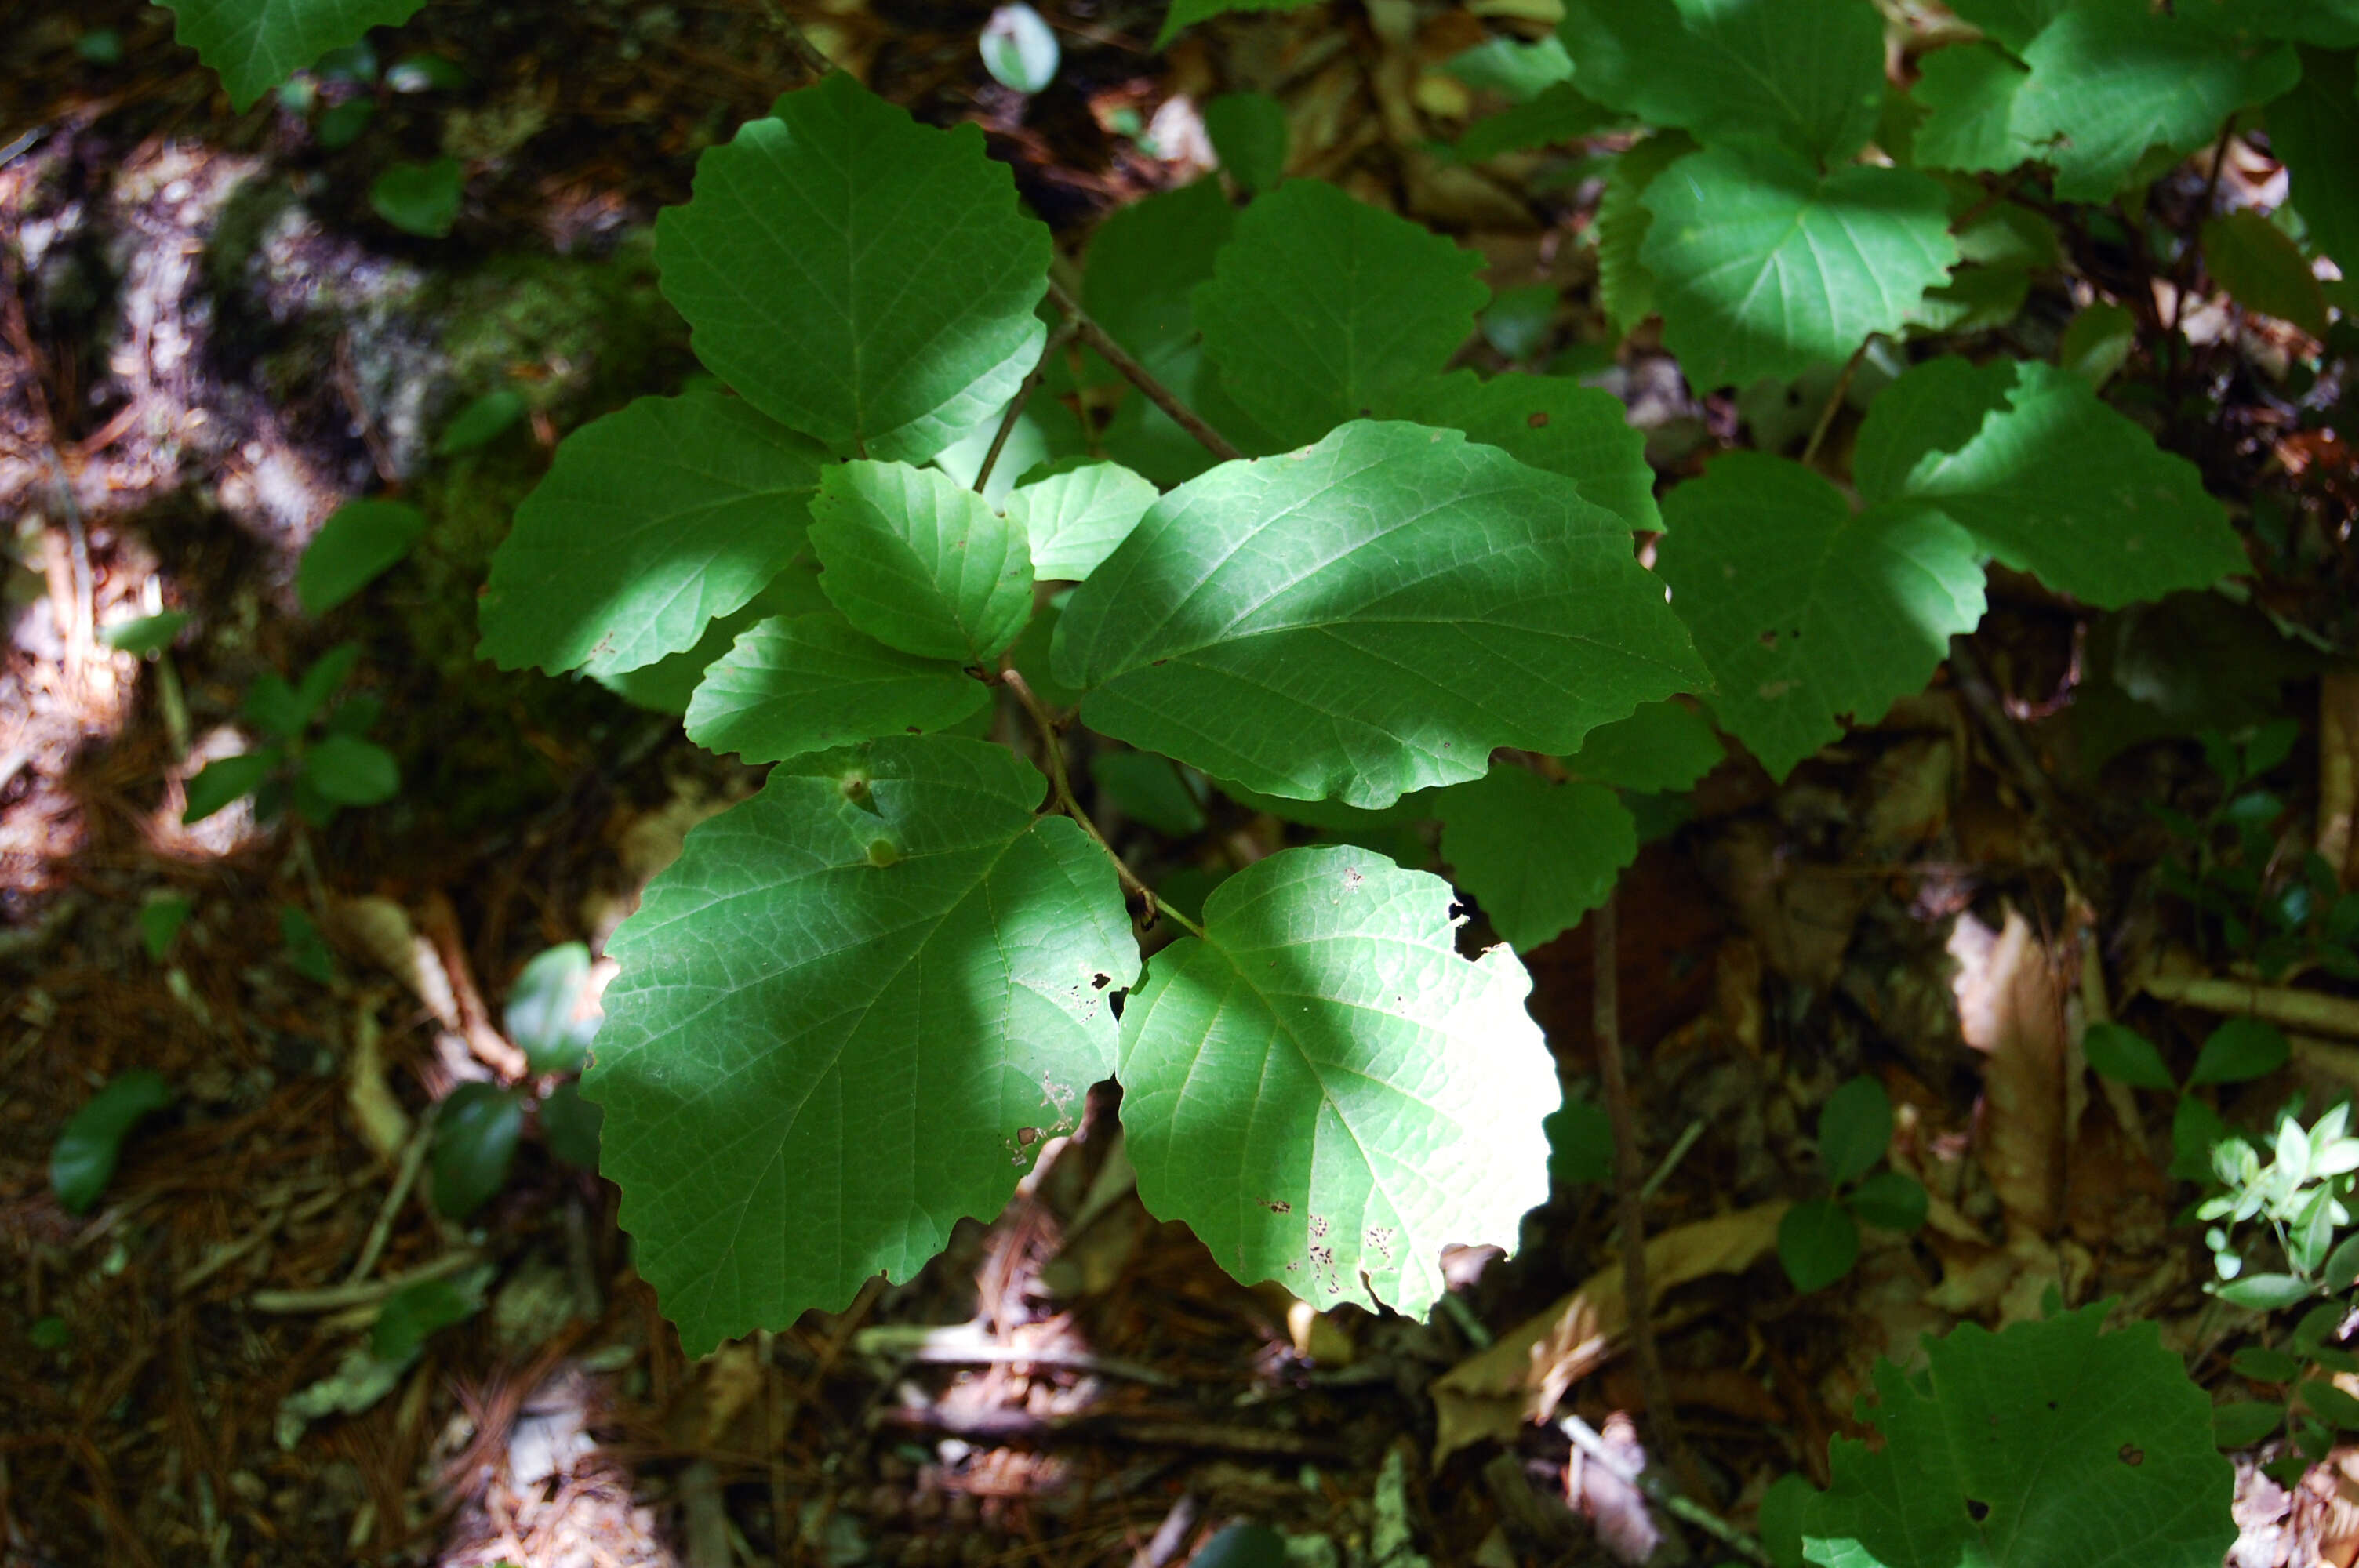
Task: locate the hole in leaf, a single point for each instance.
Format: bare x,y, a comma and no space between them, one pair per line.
1976,1509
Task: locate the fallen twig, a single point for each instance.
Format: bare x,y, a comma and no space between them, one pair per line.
1657,1491
362,1292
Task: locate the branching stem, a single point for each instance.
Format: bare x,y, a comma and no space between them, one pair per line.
1056,343
1053,744
1114,355
1594,1447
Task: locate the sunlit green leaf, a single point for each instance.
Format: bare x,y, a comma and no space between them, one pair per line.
358,542
805,683
1291,1081
919,562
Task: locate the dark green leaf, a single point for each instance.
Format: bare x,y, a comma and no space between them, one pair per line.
572,1124
2330,1404
420,198
2266,1365
412,1314
349,772
2126,1057
1147,789
84,1159
1662,747
2315,129
1818,1242
1854,1128
352,548
2259,263
225,779
2049,1444
479,422
1890,1201
254,48
161,919
1537,856
474,1142
2238,1050
2245,1422
1580,1143
1549,422
1249,133
1968,91
1323,307
1808,73
306,951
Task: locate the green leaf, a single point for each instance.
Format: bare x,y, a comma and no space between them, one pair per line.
1291,1081
1625,289
1075,518
1581,1142
1804,610
2245,1422
2111,78
652,523
475,1142
84,1159
1560,113
2341,1270
412,1314
352,548
2265,1292
479,422
2195,1129
1662,747
1537,856
1145,787
1890,1201
2014,23
1764,268
544,1017
2097,342
1187,12
1968,91
1808,73
2240,1049
420,198
352,772
2259,263
805,683
1368,617
161,919
1145,263
2315,129
257,44
1549,422
1818,1242
838,1012
2059,485
225,779
1517,70
2263,1366
670,684
1854,1128
2047,1444
1249,133
1018,49
571,1125
147,634
920,563
850,271
2125,1056
1321,307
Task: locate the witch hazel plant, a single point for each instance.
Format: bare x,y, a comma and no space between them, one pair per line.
1305,558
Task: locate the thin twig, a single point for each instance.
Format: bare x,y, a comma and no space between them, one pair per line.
1834,400
1056,341
1998,727
413,1159
1584,1437
1629,1181
1055,748
362,1292
1114,355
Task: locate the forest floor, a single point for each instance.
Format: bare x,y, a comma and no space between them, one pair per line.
211,340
